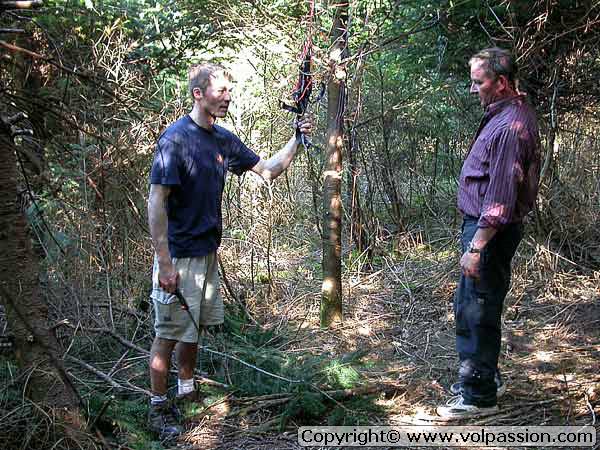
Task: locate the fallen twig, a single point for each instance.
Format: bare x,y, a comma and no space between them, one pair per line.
124,385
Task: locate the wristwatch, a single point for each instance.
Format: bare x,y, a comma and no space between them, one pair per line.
473,249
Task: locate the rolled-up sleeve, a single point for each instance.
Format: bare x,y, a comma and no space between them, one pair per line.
506,172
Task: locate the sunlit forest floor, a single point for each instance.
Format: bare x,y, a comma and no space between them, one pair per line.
271,368
395,348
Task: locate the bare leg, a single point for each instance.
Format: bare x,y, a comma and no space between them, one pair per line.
186,354
160,361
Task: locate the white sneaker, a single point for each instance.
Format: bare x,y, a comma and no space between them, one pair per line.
457,388
455,408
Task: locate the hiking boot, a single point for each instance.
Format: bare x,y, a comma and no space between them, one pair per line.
163,419
456,408
457,388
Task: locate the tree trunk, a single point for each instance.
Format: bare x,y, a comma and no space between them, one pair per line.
359,230
392,191
331,291
27,312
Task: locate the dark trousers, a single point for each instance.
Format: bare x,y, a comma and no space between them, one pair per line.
478,310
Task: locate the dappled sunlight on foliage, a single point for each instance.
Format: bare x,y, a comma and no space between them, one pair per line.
100,81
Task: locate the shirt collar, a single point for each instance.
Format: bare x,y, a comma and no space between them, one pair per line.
496,107
194,124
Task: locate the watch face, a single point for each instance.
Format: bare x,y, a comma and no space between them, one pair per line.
473,249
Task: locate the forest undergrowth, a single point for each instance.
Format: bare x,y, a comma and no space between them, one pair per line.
270,368
99,81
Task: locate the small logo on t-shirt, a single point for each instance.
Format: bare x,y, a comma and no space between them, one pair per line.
220,158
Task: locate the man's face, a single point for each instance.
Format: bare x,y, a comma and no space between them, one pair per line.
488,89
217,96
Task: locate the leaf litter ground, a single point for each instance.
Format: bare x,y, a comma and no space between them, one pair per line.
398,340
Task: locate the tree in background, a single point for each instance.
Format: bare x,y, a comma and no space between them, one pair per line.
36,347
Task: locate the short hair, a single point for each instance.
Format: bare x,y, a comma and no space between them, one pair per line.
199,75
496,62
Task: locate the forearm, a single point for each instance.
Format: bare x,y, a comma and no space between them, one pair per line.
483,236
276,164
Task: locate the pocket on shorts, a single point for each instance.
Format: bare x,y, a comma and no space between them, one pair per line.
163,314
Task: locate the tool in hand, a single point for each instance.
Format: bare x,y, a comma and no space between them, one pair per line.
184,305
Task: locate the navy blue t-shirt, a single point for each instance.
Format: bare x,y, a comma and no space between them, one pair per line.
194,162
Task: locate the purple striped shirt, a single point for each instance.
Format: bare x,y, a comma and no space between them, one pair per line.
499,179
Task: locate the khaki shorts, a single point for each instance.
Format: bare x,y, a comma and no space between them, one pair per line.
196,275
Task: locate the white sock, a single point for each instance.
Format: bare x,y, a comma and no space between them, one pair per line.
185,386
156,399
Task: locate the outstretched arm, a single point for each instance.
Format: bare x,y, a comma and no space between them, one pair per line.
274,166
157,220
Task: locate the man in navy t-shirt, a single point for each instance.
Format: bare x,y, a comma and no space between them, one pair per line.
192,158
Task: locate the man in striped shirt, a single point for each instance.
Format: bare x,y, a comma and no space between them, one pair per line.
497,189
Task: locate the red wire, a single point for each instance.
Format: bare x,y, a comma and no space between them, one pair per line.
307,47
